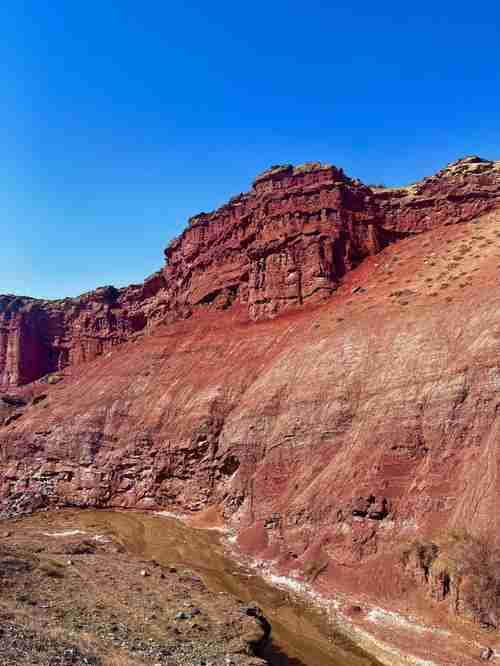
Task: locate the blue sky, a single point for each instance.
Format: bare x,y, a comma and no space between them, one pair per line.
119,120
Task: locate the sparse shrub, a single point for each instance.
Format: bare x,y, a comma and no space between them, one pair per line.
84,547
424,552
315,568
52,569
477,563
463,568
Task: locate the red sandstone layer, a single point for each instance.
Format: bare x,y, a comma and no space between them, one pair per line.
285,244
328,437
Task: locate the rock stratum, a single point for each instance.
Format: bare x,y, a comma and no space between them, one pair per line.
285,244
317,362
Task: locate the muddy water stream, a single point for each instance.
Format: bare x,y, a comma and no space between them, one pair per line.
301,633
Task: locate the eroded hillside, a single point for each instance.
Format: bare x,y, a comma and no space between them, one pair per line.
329,436
285,244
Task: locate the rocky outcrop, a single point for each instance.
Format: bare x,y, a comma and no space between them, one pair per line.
285,244
363,416
326,439
42,337
459,570
462,191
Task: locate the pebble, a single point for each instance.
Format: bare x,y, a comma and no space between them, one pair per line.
487,654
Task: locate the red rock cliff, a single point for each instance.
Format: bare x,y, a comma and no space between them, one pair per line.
286,243
327,437
41,337
462,190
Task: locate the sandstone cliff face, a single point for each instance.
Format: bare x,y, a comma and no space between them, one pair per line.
42,337
326,437
463,190
286,243
338,428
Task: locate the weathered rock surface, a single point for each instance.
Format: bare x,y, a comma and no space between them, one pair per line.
41,337
327,436
287,243
463,190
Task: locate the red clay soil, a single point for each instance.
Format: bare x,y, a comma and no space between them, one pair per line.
329,436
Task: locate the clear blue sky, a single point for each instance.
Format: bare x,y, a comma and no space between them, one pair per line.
119,119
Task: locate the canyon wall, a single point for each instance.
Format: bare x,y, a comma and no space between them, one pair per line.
42,337
353,443
328,437
286,243
461,191
323,436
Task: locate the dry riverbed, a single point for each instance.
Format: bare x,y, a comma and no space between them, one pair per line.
72,596
113,588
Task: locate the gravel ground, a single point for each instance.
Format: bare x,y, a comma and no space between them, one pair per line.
72,599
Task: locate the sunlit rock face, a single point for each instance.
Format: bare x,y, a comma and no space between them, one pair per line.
317,364
285,244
